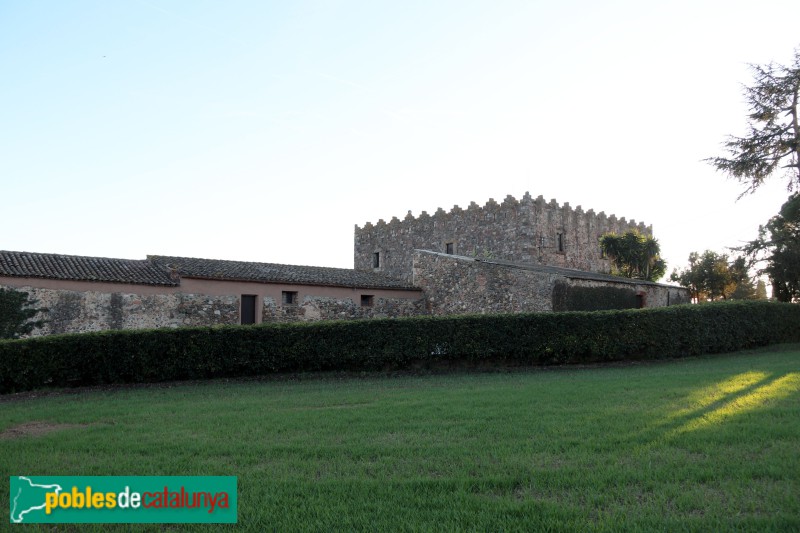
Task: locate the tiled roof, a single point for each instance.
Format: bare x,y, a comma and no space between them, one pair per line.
276,273
75,267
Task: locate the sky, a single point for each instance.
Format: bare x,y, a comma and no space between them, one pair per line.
264,131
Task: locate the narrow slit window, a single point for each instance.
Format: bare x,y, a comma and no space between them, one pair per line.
560,242
376,260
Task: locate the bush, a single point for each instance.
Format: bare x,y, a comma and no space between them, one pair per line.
527,339
17,311
576,298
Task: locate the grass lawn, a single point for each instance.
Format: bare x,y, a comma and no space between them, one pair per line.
702,444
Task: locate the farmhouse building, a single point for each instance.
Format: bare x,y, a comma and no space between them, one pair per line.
93,293
518,256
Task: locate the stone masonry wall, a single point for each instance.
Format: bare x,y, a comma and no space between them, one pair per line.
461,285
525,231
81,311
327,308
656,295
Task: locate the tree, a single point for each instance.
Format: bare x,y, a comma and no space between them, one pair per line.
634,255
778,247
16,314
772,143
761,290
714,276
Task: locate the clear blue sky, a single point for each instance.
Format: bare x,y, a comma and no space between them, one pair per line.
260,130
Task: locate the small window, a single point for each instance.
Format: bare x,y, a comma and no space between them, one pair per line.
541,241
376,260
448,248
366,300
641,300
289,297
560,242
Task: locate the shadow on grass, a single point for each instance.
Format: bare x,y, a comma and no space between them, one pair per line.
717,403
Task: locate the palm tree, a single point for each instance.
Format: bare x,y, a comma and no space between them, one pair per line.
634,255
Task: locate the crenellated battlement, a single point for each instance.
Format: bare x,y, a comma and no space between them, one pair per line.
509,205
529,230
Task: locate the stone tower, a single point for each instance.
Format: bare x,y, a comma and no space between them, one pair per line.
527,231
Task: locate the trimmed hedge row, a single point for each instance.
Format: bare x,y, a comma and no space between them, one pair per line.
575,298
541,338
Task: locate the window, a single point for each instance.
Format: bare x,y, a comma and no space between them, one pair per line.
641,300
448,248
376,260
289,297
560,242
248,311
366,300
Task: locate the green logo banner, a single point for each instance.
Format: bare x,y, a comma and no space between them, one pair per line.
123,499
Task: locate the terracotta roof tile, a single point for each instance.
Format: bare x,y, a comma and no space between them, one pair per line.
82,268
191,267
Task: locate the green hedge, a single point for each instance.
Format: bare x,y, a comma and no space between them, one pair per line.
540,338
568,297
